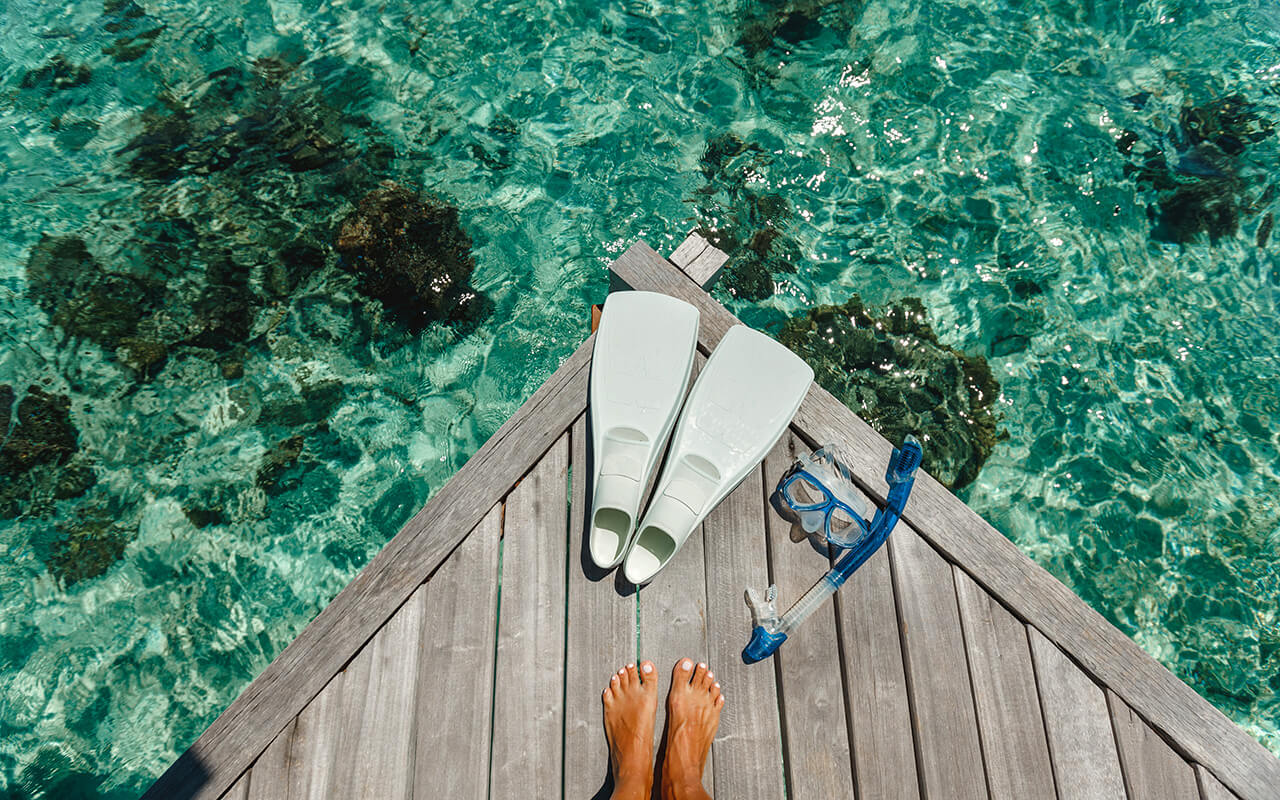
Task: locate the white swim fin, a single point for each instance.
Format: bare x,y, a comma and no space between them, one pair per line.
742,402
640,370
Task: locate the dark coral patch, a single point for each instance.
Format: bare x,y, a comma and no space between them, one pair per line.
889,366
38,453
410,252
80,297
85,547
56,74
41,432
1201,179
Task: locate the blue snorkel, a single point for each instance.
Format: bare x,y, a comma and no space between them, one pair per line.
771,630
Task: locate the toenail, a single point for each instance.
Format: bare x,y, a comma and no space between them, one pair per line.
622,672
687,665
701,665
717,684
711,675
647,668
631,666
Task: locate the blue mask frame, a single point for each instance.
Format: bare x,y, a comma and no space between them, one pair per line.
786,504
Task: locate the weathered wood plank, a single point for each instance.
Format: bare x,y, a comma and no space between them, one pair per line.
688,250
1015,750
271,770
528,705
1197,729
240,789
379,705
298,674
673,625
315,744
948,752
1152,771
814,728
1210,787
875,686
706,267
748,746
459,608
601,636
1081,744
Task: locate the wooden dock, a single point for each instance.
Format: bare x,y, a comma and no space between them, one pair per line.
950,665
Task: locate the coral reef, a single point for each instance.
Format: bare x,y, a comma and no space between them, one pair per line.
410,252
242,121
889,366
85,547
82,298
38,450
277,462
41,432
748,225
138,30
1200,185
56,74
764,24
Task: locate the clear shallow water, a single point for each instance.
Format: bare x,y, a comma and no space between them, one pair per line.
962,153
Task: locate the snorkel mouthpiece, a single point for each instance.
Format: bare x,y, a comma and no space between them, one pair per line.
762,645
765,636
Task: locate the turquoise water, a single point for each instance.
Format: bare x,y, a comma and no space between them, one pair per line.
1076,193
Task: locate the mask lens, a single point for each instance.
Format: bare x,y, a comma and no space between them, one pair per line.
803,493
842,522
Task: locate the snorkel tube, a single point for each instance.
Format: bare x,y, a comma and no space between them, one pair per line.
770,630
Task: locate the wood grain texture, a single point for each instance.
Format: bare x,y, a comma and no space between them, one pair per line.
240,789
379,706
688,250
459,608
1210,787
1197,729
298,674
1014,748
315,743
948,751
1152,771
883,741
705,269
601,637
528,703
1081,744
748,747
271,770
815,731
673,624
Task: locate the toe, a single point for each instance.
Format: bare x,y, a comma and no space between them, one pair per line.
720,701
700,677
681,673
607,696
715,689
632,679
648,676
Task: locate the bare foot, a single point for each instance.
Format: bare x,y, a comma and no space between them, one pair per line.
630,703
693,714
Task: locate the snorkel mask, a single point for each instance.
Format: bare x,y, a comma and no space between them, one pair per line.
817,496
